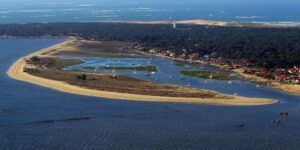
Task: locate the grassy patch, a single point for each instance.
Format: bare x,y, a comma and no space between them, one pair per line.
101,55
209,75
180,64
54,63
62,63
141,68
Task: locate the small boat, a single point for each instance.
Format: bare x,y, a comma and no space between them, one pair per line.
96,69
113,71
211,75
188,85
277,121
229,82
148,64
153,72
134,72
241,124
283,113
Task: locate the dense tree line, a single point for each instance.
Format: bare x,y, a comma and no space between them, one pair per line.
268,47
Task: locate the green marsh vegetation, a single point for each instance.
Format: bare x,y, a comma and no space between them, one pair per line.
140,68
210,75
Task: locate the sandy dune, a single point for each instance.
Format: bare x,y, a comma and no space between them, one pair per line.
194,22
211,23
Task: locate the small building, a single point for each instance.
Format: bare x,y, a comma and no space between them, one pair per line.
153,51
194,56
172,54
174,25
183,56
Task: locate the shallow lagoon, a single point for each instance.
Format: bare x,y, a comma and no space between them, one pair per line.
116,124
168,72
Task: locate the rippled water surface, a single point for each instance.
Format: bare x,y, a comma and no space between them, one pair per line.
20,11
32,117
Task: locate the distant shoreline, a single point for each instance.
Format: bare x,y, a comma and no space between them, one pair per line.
212,23
187,22
16,71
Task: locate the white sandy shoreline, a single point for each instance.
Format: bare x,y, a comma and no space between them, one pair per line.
16,72
214,23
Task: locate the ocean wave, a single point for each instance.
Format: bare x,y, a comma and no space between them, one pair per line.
105,11
152,10
4,12
42,16
32,10
58,3
145,9
70,9
108,16
48,16
140,8
4,17
249,17
85,5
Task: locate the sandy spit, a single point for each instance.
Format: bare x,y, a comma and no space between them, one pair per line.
16,72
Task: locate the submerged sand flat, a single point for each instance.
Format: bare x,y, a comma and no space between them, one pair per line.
16,71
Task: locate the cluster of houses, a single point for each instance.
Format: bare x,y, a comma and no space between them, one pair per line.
286,75
161,52
170,54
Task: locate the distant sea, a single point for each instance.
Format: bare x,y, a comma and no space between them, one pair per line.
26,11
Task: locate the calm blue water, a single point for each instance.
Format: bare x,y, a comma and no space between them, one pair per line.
169,73
20,11
116,124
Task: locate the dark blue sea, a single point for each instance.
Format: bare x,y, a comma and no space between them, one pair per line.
24,11
37,118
